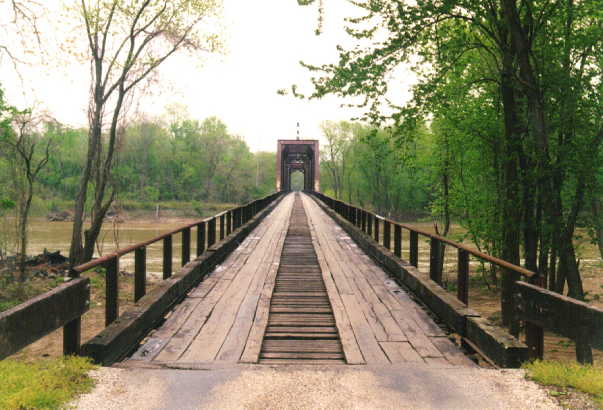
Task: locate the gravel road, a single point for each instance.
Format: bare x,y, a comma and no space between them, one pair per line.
345,387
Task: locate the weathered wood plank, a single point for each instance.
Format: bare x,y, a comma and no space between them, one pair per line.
213,334
31,320
122,336
353,354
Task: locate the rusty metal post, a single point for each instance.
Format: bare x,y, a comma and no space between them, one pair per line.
387,234
140,273
398,240
414,249
111,290
200,238
435,273
462,281
167,256
72,331
186,246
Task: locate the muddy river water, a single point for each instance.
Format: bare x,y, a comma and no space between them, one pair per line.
57,236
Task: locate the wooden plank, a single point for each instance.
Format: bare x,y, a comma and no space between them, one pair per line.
352,352
236,341
366,340
213,334
302,355
401,352
190,330
37,317
452,353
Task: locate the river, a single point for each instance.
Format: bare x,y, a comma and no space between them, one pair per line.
57,236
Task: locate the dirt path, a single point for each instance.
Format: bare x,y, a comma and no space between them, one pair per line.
335,387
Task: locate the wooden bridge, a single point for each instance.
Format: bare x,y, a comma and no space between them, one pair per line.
299,278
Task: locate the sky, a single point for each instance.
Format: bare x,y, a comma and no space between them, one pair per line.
264,43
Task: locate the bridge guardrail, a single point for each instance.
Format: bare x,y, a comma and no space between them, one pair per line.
371,224
37,317
207,235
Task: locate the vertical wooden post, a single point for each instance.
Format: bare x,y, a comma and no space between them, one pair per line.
111,290
186,246
140,273
228,222
376,231
414,249
72,331
434,261
387,234
211,232
167,256
369,224
363,220
200,238
398,240
222,226
462,281
534,333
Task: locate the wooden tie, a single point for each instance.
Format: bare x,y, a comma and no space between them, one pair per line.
301,326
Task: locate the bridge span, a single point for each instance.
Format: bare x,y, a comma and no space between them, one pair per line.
298,290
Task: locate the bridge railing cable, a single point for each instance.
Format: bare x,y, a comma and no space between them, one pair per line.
531,304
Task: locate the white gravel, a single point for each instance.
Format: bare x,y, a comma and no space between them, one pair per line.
263,387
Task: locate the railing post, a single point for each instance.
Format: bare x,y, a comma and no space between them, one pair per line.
462,281
167,256
72,331
369,224
435,272
363,220
386,234
186,246
398,240
228,222
222,227
376,231
414,249
111,290
200,238
140,273
211,232
535,333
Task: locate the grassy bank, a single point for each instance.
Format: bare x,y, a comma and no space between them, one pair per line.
561,376
43,384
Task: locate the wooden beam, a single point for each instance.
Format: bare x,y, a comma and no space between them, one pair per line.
29,321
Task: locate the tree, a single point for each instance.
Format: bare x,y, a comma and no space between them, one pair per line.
549,113
27,160
127,40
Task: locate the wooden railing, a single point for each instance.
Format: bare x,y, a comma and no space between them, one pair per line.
531,303
37,317
207,235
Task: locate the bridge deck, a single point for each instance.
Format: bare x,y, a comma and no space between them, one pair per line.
244,313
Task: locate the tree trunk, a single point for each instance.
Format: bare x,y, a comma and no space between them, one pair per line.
597,222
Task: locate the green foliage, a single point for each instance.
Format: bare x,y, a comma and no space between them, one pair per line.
584,378
43,384
365,165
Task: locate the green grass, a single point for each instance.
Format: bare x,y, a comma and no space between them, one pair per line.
43,384
583,378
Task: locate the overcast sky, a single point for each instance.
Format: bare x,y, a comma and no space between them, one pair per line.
265,40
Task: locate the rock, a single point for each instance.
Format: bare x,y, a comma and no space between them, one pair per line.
59,216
